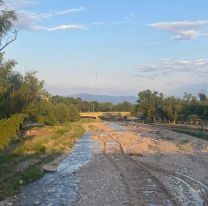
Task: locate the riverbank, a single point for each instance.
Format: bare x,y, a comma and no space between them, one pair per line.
41,150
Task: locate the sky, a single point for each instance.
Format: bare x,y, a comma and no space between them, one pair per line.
114,47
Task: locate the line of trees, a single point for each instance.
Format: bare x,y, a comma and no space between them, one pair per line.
155,107
94,106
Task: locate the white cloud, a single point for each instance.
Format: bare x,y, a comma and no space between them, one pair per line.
32,21
61,27
183,30
168,68
60,13
172,76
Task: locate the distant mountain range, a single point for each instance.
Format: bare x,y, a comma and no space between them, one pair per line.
105,98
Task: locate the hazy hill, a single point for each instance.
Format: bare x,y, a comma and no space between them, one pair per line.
105,98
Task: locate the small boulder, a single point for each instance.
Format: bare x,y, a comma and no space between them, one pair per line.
49,168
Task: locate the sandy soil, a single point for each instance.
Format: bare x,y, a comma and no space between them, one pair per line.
144,165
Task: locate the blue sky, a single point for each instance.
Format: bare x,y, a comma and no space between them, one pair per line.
113,47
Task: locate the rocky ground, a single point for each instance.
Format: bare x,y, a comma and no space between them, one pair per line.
144,165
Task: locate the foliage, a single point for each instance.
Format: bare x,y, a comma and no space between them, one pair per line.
12,181
17,92
73,113
150,104
41,112
154,107
9,129
172,108
93,106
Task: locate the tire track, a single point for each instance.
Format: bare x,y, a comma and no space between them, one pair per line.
195,186
144,188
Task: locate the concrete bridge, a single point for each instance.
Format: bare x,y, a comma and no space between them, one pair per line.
97,115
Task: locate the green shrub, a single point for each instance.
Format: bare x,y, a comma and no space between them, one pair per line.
73,113
9,129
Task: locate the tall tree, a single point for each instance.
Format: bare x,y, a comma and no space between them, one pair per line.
172,108
150,104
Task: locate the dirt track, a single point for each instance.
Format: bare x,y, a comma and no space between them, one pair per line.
143,165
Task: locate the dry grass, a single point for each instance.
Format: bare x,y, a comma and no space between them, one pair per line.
40,145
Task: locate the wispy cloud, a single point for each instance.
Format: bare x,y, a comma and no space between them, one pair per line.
61,27
168,67
32,20
183,30
127,20
60,13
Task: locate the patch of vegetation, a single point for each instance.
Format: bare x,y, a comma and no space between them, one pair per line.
193,132
13,181
51,142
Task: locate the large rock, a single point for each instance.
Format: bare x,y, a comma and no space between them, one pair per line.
50,168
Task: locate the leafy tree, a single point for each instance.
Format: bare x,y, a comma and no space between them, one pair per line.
123,107
41,112
73,113
202,111
150,104
189,105
31,90
62,112
172,108
10,82
17,92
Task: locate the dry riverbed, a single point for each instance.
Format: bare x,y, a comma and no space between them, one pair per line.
126,164
144,165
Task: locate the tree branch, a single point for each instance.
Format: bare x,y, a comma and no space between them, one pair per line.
12,40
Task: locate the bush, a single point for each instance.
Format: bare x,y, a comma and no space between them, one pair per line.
42,112
73,113
9,129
